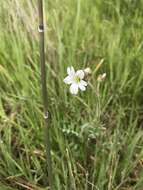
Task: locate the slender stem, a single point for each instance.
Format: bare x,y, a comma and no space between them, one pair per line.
44,94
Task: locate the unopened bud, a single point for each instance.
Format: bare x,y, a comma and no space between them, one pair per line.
101,77
87,71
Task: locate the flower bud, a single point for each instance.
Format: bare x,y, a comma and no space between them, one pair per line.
87,71
101,77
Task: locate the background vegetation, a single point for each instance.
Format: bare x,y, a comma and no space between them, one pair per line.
96,136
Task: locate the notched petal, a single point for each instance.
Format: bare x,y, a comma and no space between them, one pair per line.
80,74
74,89
82,87
70,71
67,80
84,83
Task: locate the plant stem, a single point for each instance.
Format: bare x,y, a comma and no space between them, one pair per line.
44,94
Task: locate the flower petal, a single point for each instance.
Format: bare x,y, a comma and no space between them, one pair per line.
83,83
80,74
74,89
68,80
82,87
70,71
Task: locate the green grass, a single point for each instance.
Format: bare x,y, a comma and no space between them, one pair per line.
96,141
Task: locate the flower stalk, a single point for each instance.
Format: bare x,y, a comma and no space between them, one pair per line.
44,94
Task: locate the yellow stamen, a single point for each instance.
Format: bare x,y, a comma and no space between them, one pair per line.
77,79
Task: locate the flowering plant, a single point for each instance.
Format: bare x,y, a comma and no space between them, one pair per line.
75,80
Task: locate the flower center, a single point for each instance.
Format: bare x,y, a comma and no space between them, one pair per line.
77,79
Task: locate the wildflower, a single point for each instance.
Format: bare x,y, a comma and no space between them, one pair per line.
75,79
101,77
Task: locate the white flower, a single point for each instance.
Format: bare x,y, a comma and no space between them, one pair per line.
75,79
